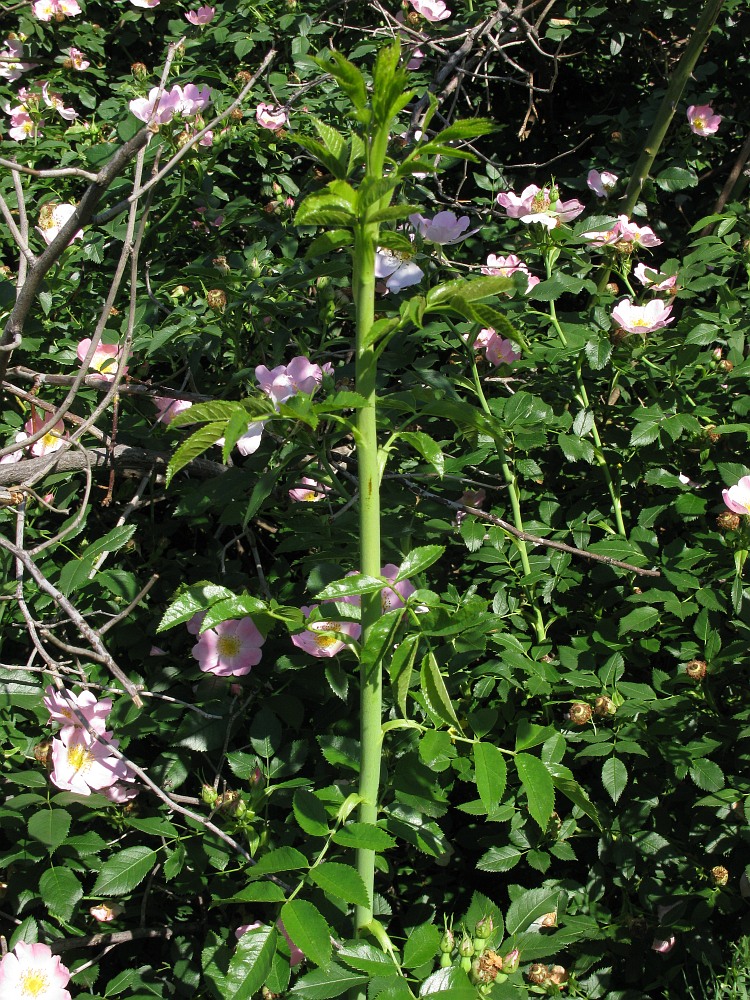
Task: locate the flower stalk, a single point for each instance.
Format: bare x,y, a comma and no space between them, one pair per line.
583,398
668,106
371,680
515,506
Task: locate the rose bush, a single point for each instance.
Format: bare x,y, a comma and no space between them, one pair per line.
263,257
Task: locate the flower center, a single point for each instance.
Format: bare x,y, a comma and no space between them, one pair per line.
104,364
33,983
388,599
80,758
51,440
326,641
540,202
699,122
229,645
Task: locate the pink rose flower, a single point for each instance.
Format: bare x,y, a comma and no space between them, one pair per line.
663,945
249,443
23,125
702,119
507,266
10,66
416,59
105,913
390,597
431,10
154,108
631,232
145,3
655,281
737,497
320,639
641,319
14,456
52,441
231,649
45,10
32,972
56,102
52,218
190,99
62,705
84,765
204,15
296,954
542,205
78,60
445,228
469,498
121,791
285,381
602,184
168,408
106,360
244,928
498,351
310,492
624,231
193,625
399,270
271,116
397,595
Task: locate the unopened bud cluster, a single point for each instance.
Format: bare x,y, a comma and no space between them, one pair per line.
472,953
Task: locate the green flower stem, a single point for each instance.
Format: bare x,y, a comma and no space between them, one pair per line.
666,112
668,107
583,398
371,679
515,505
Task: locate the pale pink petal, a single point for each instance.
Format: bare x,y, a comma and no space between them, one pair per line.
737,497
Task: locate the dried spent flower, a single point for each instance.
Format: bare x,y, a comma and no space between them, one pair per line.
216,299
558,975
579,713
696,669
719,875
604,706
538,974
728,521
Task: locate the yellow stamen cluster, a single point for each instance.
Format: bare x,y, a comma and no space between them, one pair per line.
80,757
229,645
33,983
541,202
323,641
